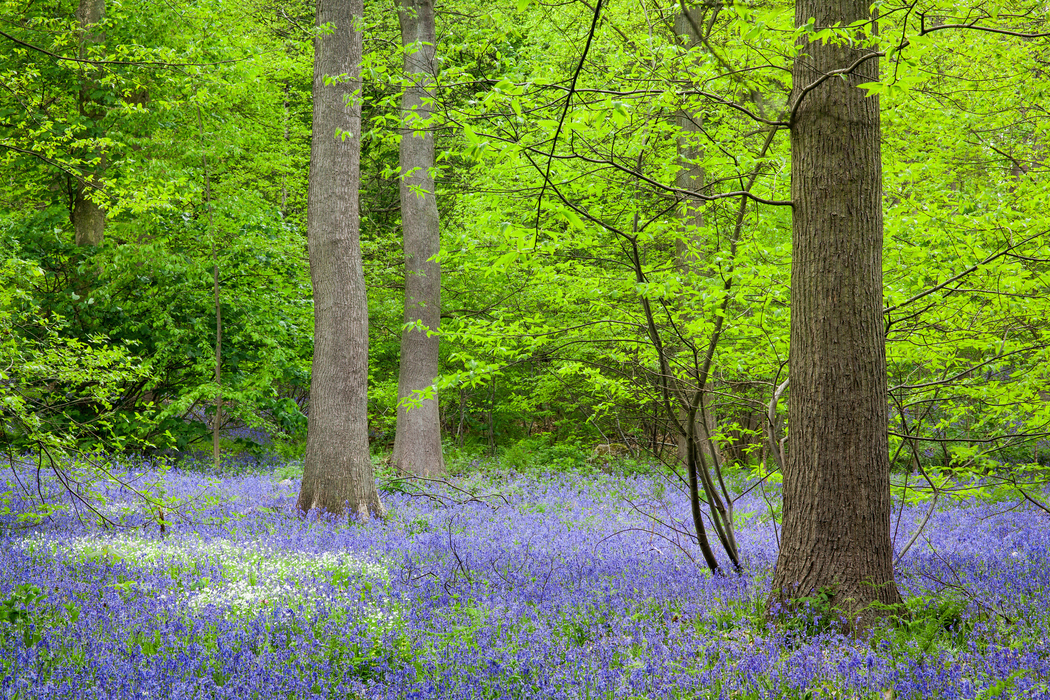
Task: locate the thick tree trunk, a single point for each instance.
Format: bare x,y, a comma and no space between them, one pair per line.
89,218
417,440
337,469
836,533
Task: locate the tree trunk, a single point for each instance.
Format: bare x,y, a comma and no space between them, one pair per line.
417,439
690,177
696,417
337,469
216,427
836,532
89,218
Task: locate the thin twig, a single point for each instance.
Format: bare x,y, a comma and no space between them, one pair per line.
648,532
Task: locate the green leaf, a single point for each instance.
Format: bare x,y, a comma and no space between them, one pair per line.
873,88
572,218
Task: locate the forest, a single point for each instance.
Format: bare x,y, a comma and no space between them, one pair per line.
581,349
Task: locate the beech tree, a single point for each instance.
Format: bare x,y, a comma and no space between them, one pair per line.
417,440
337,468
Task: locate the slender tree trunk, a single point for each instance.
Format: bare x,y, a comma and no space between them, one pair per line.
89,218
287,147
216,426
462,417
836,532
492,419
337,469
417,440
216,429
690,177
696,418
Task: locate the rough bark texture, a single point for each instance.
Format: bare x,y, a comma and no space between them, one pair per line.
836,533
89,218
337,469
417,440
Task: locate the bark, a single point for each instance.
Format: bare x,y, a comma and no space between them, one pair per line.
417,439
89,218
337,469
836,530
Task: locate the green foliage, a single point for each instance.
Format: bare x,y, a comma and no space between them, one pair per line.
562,215
153,302
61,395
517,457
289,470
26,614
932,621
461,460
815,613
15,609
169,94
540,454
52,379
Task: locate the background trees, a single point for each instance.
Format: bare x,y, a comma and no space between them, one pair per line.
169,98
576,307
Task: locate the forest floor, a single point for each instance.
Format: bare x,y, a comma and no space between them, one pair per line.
506,586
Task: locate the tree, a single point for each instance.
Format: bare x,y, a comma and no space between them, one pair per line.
58,97
417,441
837,504
600,161
337,469
613,158
89,218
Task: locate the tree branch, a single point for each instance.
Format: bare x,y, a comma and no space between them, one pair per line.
565,110
97,62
